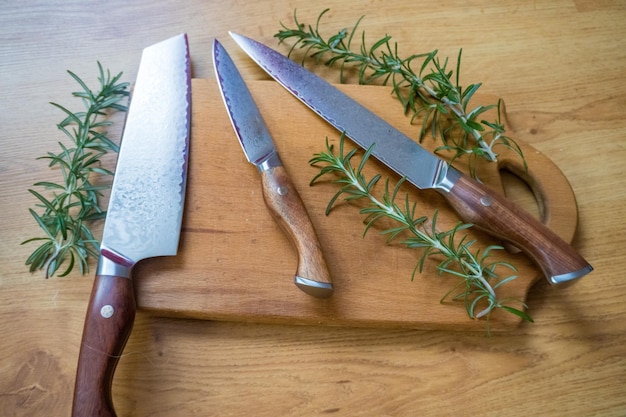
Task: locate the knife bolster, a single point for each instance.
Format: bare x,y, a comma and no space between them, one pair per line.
107,266
446,177
271,161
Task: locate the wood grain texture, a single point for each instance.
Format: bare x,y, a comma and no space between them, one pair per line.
105,334
284,203
235,264
476,204
559,65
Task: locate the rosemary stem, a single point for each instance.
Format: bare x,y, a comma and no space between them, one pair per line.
69,206
457,258
485,284
392,213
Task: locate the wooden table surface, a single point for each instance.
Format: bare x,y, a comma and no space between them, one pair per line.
560,66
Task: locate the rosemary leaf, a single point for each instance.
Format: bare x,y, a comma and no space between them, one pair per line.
69,206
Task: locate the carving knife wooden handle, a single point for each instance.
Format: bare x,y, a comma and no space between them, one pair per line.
286,206
108,324
476,204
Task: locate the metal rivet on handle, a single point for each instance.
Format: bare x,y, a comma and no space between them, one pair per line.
486,200
107,311
282,190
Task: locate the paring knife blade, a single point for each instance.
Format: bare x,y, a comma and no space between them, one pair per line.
474,202
281,197
144,214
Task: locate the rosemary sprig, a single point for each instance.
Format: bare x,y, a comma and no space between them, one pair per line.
433,92
479,279
71,205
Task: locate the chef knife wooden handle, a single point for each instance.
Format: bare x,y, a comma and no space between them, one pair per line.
287,208
108,324
477,204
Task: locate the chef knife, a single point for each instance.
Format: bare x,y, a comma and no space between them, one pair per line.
474,202
281,197
144,214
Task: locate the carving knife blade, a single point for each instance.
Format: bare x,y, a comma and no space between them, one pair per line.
144,214
474,202
280,195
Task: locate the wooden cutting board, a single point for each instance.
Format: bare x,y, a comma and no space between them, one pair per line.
234,262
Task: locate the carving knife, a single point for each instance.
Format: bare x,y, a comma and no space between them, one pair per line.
281,197
144,214
474,202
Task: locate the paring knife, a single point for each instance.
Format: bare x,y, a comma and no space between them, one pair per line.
281,197
474,202
144,214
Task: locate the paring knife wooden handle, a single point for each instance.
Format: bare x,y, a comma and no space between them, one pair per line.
287,208
477,204
108,324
